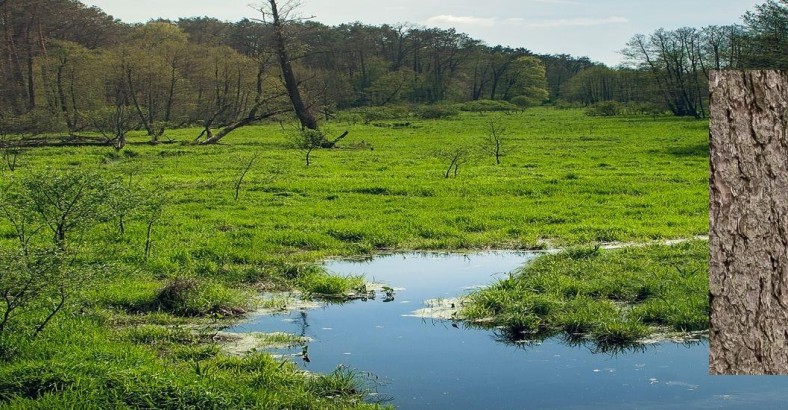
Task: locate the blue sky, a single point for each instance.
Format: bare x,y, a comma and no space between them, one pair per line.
595,28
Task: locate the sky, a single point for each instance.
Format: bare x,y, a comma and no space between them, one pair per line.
598,29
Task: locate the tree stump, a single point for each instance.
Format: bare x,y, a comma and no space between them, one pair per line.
748,282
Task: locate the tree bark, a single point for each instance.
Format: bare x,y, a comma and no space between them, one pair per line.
748,282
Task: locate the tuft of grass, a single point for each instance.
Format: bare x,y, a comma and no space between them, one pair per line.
321,284
619,332
192,297
342,382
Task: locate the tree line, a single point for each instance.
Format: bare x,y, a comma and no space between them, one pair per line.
68,68
670,68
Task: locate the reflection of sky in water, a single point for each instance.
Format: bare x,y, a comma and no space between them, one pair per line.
429,364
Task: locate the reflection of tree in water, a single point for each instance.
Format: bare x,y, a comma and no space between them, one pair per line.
304,325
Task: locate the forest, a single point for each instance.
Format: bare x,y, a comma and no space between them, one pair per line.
70,69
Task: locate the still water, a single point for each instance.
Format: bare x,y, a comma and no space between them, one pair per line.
422,363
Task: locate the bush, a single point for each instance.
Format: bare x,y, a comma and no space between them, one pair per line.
605,109
436,111
488,106
522,101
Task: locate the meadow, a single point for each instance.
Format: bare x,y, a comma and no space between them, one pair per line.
565,180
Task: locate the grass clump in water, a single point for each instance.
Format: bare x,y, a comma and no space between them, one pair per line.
318,283
612,297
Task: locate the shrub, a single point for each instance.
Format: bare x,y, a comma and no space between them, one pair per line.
522,101
436,111
488,106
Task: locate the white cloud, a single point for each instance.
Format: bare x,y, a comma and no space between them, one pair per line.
447,19
578,22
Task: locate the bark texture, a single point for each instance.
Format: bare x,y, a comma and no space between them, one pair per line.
748,280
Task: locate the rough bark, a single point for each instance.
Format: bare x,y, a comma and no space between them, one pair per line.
749,223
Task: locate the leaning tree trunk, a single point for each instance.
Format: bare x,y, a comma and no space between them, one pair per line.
749,223
291,83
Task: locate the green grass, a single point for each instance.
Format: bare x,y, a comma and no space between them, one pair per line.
566,180
95,368
612,297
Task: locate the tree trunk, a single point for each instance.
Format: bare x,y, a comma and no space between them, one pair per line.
302,112
61,94
133,93
748,286
213,139
31,86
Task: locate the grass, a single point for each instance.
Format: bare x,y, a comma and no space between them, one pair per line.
612,297
93,368
566,180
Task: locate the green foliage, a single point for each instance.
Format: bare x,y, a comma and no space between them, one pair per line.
35,122
768,25
436,111
60,201
522,101
36,285
489,106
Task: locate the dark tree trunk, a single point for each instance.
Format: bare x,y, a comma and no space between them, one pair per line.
61,94
748,283
170,95
31,86
302,112
212,138
133,94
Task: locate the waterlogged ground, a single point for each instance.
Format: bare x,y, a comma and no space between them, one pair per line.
422,363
